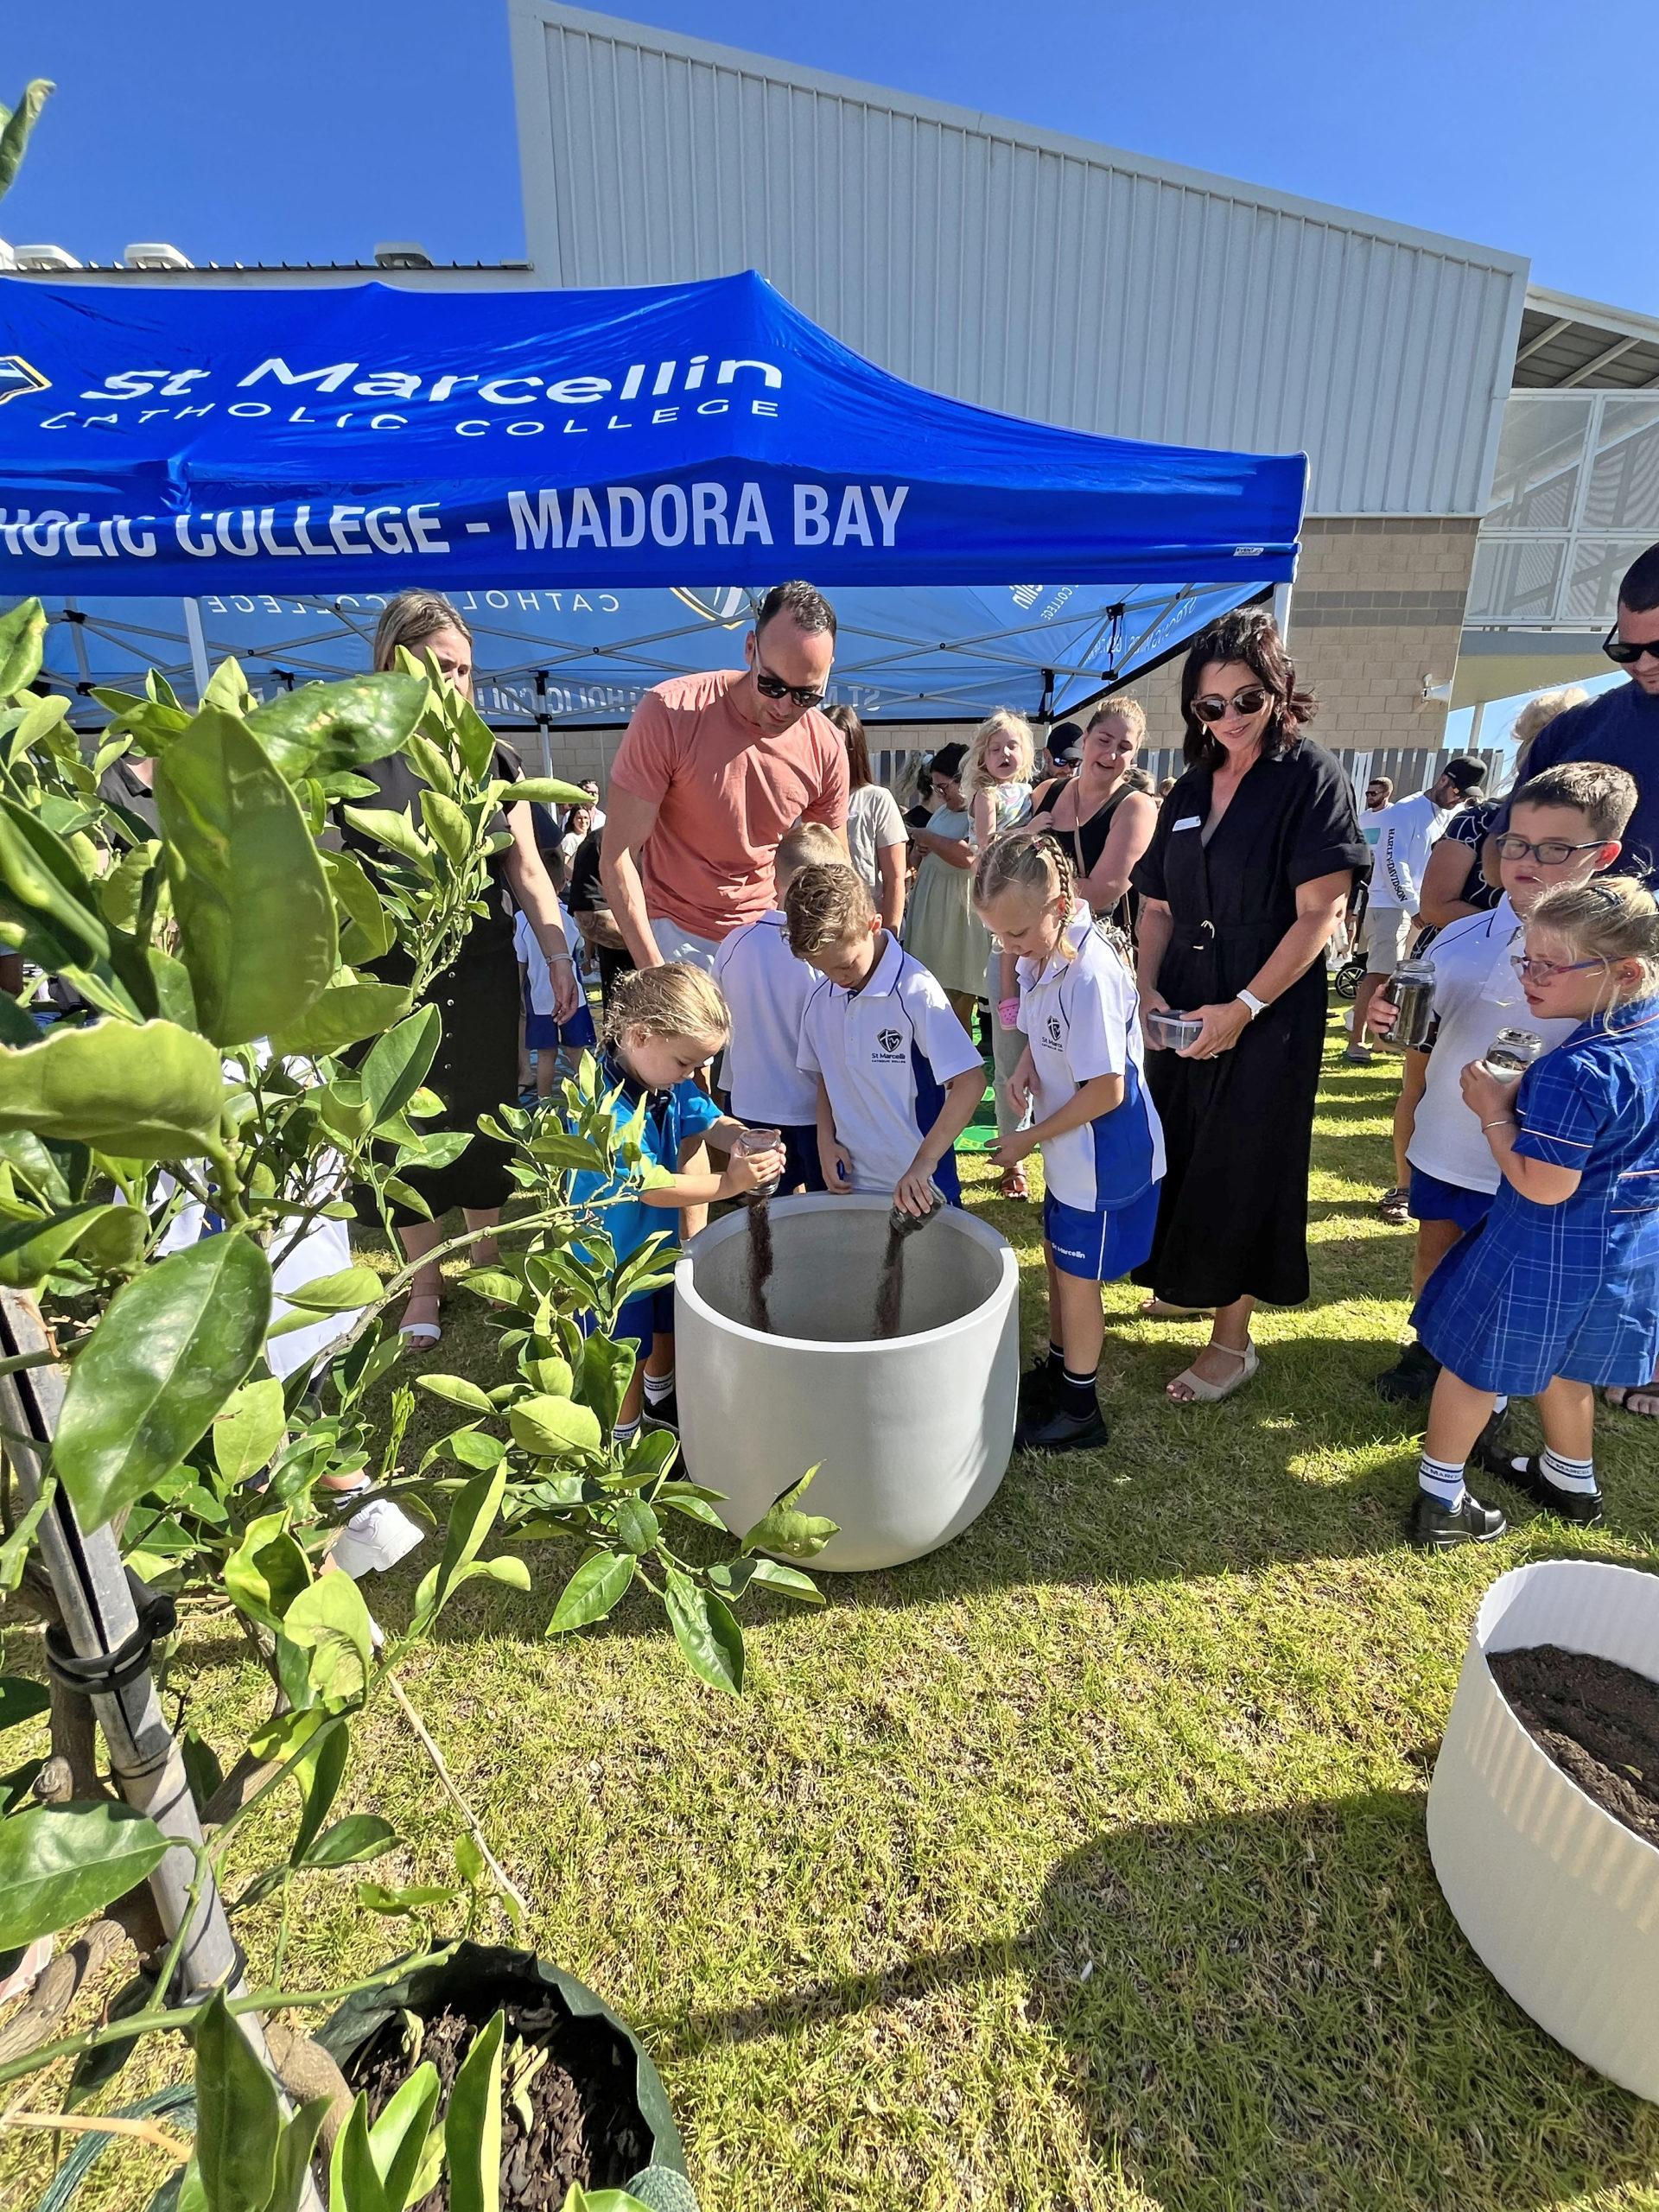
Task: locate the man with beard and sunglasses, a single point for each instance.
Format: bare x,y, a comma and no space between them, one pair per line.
1621,727
714,770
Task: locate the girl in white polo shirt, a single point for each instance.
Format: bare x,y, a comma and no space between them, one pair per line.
1102,1147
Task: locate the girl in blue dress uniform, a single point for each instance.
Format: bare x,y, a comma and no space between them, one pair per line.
1558,1290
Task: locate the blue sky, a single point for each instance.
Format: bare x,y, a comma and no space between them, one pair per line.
310,132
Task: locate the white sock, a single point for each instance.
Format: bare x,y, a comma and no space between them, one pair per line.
1500,1405
1442,1480
658,1387
625,1431
1577,1475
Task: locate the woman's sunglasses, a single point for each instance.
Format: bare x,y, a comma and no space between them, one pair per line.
1250,700
1622,652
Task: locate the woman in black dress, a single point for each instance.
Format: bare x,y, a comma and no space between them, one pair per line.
1103,822
476,1070
1246,878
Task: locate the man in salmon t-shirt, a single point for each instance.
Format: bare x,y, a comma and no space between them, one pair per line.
712,773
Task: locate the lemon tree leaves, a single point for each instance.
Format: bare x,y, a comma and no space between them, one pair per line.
170,1349
153,1091
255,918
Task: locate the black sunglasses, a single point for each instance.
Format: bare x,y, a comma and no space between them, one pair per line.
773,687
1620,650
1250,700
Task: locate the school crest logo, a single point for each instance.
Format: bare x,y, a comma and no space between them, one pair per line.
1053,1028
18,377
890,1039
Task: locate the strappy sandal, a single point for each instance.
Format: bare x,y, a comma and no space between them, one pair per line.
1159,1309
423,1335
1014,1183
1210,1393
1394,1207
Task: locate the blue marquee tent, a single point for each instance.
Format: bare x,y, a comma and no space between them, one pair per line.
601,479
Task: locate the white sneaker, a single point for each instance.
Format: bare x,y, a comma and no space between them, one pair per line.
375,1538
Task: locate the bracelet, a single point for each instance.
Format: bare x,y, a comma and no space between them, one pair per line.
1504,1122
1254,1004
560,960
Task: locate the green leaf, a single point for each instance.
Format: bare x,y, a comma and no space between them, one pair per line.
227,687
369,930
472,1449
173,1344
358,1837
472,1515
337,1293
14,1553
294,2150
773,1575
239,2118
322,728
115,1243
149,1092
447,825
549,1425
637,1527
344,1016
472,2125
398,2137
319,1775
330,1620
30,1249
256,919
457,1390
375,1896
706,1630
21,1699
592,1591
546,791
41,877
397,1065
511,1573
248,1431
22,628
784,1528
267,1570
60,1864
396,831
558,1148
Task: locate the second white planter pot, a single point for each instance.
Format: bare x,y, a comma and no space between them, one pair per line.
1560,1900
912,1433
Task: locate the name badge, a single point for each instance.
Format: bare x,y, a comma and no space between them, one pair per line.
1189,821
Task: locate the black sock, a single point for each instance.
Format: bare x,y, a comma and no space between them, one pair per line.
1056,1361
1074,1394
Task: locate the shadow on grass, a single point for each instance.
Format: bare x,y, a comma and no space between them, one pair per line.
1267,2010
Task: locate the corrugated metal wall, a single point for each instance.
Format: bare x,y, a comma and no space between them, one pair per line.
1018,269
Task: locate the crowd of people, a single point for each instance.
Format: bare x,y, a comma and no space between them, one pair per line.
791,970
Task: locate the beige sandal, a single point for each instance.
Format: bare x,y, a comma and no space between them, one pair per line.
1160,1309
1209,1394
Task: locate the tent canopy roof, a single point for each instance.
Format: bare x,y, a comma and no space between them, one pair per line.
154,442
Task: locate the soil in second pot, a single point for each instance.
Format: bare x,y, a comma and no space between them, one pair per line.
890,1290
585,2126
1598,1721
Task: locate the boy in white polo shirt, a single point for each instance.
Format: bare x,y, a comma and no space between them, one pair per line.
766,988
897,1076
1565,826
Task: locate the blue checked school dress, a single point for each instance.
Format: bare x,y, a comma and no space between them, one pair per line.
1574,1290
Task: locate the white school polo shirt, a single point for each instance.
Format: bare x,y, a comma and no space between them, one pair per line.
886,1053
766,988
528,954
1476,993
1081,1020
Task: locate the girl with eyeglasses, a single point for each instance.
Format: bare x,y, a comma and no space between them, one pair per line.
1246,878
1558,1289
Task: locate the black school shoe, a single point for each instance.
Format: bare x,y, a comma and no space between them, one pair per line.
1581,1507
1413,1375
1062,1432
1435,1527
664,1414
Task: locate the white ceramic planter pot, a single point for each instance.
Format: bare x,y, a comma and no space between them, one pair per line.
912,1433
1560,1900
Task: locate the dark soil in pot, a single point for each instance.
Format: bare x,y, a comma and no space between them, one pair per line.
585,2121
1597,1720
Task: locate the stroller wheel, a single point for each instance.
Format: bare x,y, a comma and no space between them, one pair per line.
1345,981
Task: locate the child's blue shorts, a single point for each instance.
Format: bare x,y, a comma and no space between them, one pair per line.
1432,1200
1101,1247
543,1034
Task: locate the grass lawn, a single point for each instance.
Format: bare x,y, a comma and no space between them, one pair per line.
1079,1865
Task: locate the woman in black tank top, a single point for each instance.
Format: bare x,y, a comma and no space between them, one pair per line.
1104,822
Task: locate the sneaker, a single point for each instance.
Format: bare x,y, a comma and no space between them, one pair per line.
1581,1507
1360,1055
1063,1432
1413,1375
665,1413
1435,1528
375,1537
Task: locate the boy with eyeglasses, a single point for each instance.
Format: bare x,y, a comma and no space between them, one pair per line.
1621,727
1565,826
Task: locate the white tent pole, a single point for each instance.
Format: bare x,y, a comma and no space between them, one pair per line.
1281,609
193,631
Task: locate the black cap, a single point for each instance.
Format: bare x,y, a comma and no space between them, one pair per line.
1467,775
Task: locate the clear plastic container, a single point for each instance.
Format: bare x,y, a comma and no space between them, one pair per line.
754,1140
1170,1031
